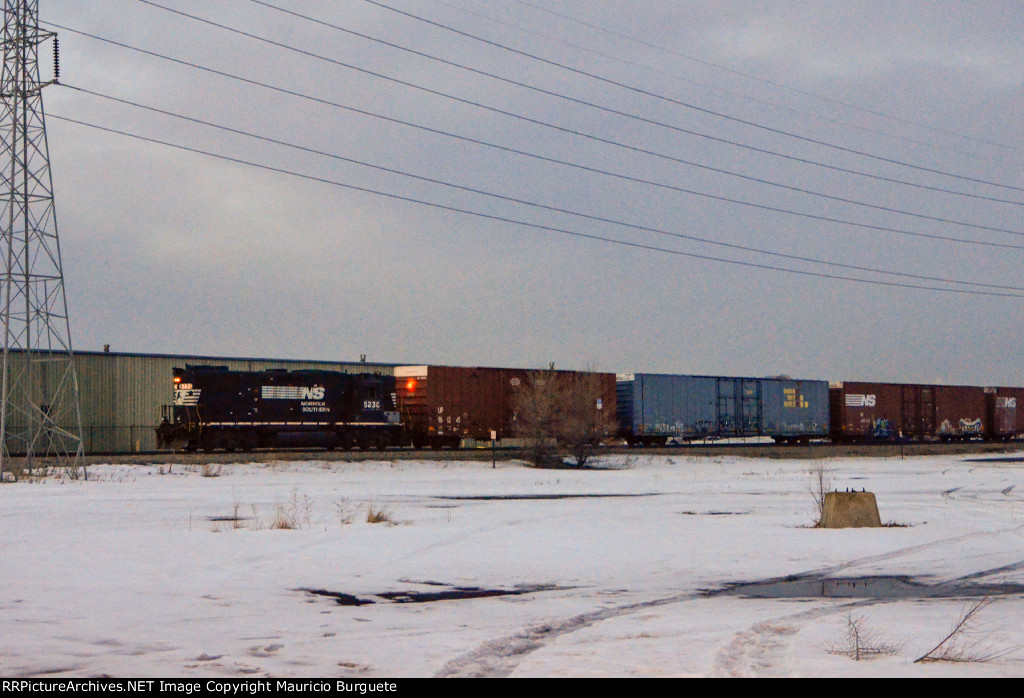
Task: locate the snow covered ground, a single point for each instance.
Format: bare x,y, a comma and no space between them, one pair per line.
148,571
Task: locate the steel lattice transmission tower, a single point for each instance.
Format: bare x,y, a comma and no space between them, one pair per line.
40,414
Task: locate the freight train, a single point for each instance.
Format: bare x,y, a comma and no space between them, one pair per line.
449,406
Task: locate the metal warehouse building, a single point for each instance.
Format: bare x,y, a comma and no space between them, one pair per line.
122,394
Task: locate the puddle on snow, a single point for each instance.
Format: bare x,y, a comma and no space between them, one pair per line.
713,513
881,587
515,497
450,593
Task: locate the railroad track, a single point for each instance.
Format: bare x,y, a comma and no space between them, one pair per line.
773,451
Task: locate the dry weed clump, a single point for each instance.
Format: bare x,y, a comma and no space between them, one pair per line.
968,641
284,520
344,511
859,643
236,520
375,515
204,469
823,478
13,471
294,514
297,513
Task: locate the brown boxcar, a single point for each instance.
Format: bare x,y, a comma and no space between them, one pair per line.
889,411
442,405
1004,413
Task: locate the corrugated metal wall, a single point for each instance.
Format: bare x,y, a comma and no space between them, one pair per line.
43,381
121,395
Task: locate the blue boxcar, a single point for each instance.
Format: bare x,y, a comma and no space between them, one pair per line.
654,408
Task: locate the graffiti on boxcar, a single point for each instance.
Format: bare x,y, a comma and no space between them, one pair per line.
882,429
963,427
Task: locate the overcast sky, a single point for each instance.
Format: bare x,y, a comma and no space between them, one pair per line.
883,136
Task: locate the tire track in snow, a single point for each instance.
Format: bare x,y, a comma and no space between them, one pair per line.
499,658
1004,495
760,651
902,552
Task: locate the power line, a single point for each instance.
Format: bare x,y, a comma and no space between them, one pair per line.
577,100
772,83
475,141
574,100
435,92
588,104
715,88
537,226
533,204
710,112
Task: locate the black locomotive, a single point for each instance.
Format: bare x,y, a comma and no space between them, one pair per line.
216,408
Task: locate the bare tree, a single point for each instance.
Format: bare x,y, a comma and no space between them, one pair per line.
859,643
536,413
560,413
583,420
822,482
